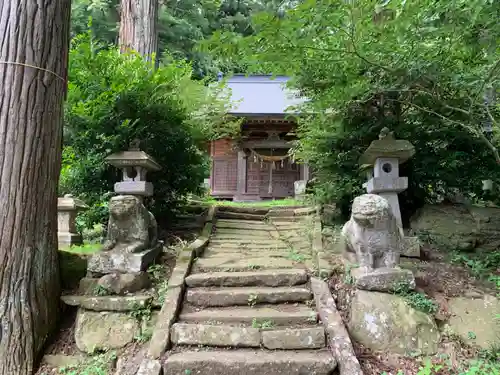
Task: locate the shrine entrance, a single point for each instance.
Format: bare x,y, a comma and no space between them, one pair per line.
275,172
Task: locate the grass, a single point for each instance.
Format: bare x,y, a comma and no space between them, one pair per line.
84,249
265,203
97,365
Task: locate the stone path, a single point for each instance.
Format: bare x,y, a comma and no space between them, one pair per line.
248,307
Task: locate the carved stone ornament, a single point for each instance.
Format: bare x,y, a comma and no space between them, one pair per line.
131,228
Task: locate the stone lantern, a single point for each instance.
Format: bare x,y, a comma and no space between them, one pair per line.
385,155
134,164
67,209
131,243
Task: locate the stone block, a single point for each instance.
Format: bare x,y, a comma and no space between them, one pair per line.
106,262
104,330
292,338
411,247
215,335
272,278
383,279
123,283
168,314
134,188
150,367
290,315
384,184
66,239
246,295
107,303
251,362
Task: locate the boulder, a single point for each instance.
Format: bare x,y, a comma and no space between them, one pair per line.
104,330
459,226
386,322
123,283
475,320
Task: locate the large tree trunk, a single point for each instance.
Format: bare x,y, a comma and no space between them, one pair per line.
34,41
138,31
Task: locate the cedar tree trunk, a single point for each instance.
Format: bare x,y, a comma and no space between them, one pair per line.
34,42
138,31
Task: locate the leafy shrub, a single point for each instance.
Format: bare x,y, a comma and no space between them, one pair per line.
115,98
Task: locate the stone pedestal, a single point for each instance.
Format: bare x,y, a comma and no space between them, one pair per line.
383,279
67,209
300,189
106,262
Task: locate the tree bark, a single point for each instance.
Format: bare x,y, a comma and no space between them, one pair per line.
138,26
34,42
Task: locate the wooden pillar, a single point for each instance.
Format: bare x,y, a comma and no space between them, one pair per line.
241,185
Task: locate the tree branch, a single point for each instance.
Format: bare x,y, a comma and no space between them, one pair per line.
480,134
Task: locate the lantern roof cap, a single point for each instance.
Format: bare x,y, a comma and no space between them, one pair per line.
387,147
133,157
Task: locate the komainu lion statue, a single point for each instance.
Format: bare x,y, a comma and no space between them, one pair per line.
131,228
372,238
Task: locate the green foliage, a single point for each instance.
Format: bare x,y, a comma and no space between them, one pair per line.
114,98
418,301
262,324
96,365
181,25
84,249
418,67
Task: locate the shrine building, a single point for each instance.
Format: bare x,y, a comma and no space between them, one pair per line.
257,166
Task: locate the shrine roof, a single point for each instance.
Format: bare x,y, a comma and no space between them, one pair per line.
258,95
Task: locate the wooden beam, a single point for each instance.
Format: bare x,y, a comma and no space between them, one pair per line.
267,144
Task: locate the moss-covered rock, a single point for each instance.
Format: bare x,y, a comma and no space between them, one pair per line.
385,322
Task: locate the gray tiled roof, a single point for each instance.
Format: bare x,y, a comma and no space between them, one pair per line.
261,95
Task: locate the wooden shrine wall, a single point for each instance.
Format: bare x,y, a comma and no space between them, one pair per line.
224,174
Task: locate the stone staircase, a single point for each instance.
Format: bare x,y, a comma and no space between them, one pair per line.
248,308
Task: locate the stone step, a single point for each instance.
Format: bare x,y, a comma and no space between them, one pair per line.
297,255
243,209
248,337
236,224
279,277
279,315
242,222
246,296
239,216
248,241
250,362
235,254
248,236
242,264
244,232
230,245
